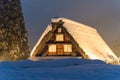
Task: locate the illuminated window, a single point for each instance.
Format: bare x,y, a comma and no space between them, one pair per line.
52,48
59,37
67,48
59,30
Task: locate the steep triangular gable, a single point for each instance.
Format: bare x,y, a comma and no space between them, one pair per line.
87,42
58,42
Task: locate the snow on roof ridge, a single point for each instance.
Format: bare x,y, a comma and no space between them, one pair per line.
87,33
66,20
87,38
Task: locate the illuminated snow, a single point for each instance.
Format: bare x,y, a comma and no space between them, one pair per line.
87,38
49,28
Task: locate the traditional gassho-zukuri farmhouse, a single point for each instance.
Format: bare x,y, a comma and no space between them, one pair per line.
67,38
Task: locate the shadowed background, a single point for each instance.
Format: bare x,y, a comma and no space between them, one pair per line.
104,15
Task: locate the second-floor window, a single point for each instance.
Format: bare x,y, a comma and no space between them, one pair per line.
59,37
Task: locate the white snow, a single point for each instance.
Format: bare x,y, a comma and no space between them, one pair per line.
87,38
49,28
61,69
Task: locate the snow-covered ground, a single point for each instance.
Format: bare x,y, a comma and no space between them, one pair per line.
60,69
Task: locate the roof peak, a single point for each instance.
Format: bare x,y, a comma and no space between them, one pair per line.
66,20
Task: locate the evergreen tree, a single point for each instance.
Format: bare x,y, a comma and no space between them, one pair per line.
13,35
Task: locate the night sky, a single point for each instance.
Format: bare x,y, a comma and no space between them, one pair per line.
104,15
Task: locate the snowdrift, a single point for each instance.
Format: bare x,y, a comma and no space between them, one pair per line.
61,69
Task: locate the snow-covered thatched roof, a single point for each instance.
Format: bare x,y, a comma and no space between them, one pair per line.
86,37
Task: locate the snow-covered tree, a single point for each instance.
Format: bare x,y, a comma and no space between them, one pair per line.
13,34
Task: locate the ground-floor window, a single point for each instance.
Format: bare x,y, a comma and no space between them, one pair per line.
52,48
67,48
59,49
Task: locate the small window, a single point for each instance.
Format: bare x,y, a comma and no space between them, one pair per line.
59,37
59,30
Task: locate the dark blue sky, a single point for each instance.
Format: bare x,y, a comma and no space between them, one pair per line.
104,15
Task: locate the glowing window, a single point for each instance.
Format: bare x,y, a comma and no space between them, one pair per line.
52,48
67,48
59,30
59,37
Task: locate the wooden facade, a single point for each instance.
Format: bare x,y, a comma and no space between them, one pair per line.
67,38
59,43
